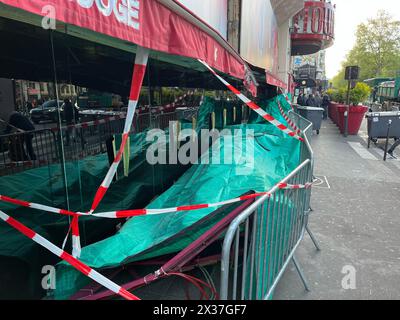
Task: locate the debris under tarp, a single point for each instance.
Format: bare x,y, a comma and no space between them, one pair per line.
275,156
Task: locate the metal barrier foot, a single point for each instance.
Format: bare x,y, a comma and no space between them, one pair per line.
300,272
313,239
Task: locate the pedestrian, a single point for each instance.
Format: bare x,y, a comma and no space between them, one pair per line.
325,105
24,125
304,100
71,116
318,100
300,99
311,101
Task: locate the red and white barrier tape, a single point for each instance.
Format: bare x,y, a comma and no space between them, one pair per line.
142,212
36,206
288,120
76,246
76,239
137,81
287,99
78,265
286,186
139,212
139,70
253,106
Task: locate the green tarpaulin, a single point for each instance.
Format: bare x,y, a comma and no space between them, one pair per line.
275,156
46,186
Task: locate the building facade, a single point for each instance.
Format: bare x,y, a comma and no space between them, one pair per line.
310,71
274,35
29,91
313,30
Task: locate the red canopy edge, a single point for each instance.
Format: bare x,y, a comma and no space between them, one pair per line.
274,81
160,25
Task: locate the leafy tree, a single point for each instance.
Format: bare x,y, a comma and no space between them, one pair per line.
338,81
376,51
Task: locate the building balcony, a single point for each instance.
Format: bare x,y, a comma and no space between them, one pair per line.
313,28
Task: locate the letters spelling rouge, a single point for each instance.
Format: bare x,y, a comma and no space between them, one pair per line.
125,11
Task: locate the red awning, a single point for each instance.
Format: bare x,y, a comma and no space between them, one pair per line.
274,81
161,25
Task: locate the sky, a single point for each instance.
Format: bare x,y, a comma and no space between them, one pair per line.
349,14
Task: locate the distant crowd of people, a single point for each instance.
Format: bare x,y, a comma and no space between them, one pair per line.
317,100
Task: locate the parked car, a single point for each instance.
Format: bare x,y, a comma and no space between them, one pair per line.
47,111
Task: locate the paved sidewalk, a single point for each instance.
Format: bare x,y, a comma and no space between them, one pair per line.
356,220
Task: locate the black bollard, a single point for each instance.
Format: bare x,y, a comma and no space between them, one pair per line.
387,139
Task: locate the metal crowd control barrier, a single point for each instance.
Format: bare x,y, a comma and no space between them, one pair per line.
141,122
161,120
306,127
20,151
260,243
144,121
84,141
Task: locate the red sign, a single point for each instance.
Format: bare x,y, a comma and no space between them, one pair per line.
316,18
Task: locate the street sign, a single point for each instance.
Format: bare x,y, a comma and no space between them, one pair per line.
352,73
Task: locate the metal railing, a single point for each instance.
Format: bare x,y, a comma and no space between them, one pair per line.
306,127
261,242
20,151
84,141
141,122
161,120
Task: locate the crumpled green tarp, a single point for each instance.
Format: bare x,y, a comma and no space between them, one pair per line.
275,156
45,186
